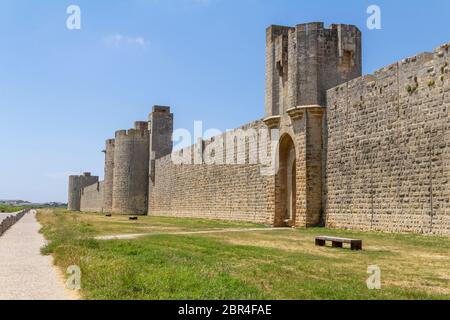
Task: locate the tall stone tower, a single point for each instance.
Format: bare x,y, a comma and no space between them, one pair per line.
76,183
304,61
130,176
160,125
109,175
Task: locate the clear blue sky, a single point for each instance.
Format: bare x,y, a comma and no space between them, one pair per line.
62,93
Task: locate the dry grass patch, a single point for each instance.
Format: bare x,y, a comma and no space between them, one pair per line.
245,265
403,265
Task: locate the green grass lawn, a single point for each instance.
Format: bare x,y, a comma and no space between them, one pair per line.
246,265
11,209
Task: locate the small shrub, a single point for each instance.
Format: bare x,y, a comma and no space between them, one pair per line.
443,68
411,89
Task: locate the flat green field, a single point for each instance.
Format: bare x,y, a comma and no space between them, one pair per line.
9,209
249,264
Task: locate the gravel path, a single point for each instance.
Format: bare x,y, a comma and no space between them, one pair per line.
25,274
184,233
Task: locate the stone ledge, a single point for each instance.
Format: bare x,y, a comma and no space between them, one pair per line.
272,122
298,112
11,220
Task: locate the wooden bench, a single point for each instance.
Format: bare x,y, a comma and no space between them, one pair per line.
355,244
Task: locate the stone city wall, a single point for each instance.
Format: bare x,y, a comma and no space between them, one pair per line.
388,158
215,191
76,184
92,198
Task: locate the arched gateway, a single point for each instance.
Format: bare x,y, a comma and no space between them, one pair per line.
286,193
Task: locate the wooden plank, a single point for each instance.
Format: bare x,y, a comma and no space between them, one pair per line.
320,243
356,245
345,240
337,244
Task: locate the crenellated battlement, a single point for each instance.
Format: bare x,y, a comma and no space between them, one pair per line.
197,153
141,125
311,26
302,62
110,142
161,109
421,71
131,133
120,133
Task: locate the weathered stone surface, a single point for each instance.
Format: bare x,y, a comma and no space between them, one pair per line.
131,156
160,125
302,62
108,184
218,191
388,157
76,184
92,198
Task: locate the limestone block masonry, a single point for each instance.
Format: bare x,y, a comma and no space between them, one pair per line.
76,184
388,156
109,175
218,191
302,62
160,125
131,158
354,152
92,198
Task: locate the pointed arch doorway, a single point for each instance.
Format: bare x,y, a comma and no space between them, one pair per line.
286,184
